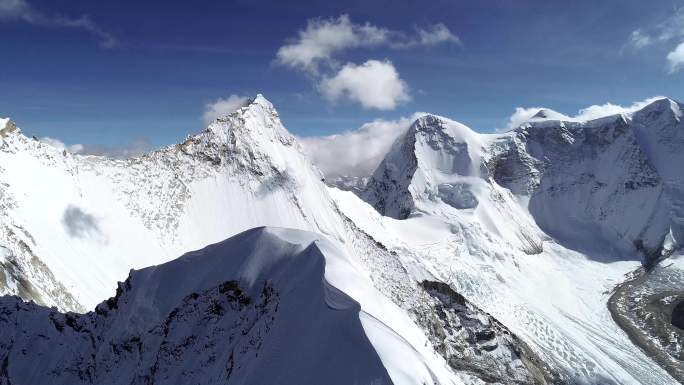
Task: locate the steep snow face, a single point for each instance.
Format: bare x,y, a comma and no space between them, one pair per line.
613,181
555,200
439,168
74,225
589,184
659,128
609,183
433,161
266,306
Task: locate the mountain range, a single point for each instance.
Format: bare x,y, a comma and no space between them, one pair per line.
548,254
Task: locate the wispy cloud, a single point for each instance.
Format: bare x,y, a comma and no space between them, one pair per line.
669,31
675,58
323,38
672,28
22,11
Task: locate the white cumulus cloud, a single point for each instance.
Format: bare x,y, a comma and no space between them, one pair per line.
675,58
357,152
373,84
22,11
222,107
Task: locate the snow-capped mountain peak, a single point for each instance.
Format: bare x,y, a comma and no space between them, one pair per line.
243,171
432,159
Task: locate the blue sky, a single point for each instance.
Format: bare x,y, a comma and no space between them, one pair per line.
110,72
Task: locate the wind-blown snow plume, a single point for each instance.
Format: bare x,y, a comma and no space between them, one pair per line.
134,148
524,114
222,107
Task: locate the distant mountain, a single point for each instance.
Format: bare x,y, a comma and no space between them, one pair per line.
464,258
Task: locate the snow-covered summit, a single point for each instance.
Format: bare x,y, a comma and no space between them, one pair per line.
593,116
61,209
430,160
443,167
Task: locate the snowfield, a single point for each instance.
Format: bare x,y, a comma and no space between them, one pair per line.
464,258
